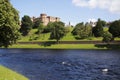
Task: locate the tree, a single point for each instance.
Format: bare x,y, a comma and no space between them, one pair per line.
114,28
82,31
26,25
103,23
37,23
98,29
40,28
48,28
58,31
88,29
77,28
9,24
107,37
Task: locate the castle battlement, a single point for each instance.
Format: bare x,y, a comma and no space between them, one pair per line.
46,19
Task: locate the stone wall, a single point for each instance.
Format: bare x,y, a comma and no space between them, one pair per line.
46,19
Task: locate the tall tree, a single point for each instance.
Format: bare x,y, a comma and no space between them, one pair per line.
104,23
37,23
9,23
58,31
82,31
114,28
49,27
98,29
107,37
26,25
77,28
40,28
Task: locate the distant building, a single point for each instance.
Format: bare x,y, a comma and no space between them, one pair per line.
93,24
46,19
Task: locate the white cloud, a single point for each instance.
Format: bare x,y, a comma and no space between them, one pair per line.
110,5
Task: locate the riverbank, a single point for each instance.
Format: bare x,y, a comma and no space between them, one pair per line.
67,46
7,74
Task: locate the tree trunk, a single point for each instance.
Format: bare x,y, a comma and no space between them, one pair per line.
57,41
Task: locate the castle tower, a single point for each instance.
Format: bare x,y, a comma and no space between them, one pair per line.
43,17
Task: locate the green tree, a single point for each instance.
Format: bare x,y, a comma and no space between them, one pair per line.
37,23
82,31
103,23
48,28
98,29
107,37
26,25
88,29
77,28
58,31
9,23
114,28
40,28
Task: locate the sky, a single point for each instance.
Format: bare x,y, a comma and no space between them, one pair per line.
73,11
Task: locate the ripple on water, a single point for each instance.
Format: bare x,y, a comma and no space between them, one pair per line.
65,65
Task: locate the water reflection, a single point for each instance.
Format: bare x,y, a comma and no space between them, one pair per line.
63,64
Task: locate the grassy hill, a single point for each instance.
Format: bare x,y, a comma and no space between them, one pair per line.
45,37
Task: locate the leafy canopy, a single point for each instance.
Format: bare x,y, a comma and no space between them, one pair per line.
9,23
37,23
82,31
26,25
58,31
114,28
98,29
107,37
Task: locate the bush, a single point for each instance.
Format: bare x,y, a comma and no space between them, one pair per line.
107,37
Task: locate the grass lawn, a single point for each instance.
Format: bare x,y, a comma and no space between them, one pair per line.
7,74
57,46
66,46
118,39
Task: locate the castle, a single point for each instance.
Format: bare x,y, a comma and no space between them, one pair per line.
46,19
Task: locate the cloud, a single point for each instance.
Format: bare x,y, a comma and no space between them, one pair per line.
110,5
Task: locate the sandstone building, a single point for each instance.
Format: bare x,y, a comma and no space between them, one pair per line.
46,19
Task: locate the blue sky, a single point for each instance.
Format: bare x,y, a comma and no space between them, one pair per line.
74,11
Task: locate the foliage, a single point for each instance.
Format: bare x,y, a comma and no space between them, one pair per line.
82,31
9,24
40,28
98,29
37,23
77,28
88,30
104,23
58,31
114,28
48,28
26,25
107,37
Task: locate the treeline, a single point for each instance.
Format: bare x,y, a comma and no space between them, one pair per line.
80,31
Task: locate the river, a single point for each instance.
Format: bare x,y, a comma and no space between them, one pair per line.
37,64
